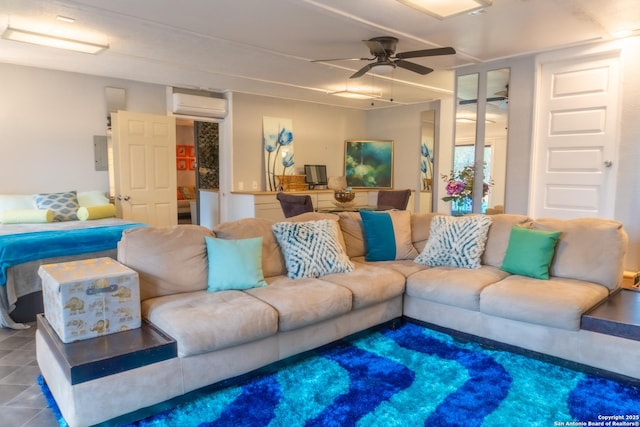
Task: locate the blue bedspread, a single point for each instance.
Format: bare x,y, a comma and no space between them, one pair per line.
19,248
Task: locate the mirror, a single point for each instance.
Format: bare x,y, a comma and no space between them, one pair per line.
477,180
427,147
459,184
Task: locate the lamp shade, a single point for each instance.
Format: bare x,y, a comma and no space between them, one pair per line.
337,183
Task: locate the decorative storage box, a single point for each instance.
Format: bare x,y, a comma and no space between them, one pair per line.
87,298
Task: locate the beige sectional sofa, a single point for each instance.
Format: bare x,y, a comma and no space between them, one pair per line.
224,334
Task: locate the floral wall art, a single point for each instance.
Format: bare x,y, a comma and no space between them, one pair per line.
277,139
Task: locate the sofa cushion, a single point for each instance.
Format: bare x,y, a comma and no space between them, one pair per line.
406,267
530,252
459,287
203,322
272,259
369,284
169,260
234,264
311,248
421,228
302,302
589,249
353,233
498,237
64,205
455,241
387,235
559,303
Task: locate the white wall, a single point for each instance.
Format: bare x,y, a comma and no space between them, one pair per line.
47,122
319,134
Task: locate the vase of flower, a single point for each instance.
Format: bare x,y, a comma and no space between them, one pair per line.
460,190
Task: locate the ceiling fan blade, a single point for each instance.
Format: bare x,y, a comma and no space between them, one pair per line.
426,52
343,59
416,68
362,71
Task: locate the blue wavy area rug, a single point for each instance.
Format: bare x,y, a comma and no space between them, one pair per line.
410,376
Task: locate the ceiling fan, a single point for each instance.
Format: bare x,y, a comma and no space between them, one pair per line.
383,50
501,96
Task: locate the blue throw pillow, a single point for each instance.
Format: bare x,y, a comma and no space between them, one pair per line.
311,248
234,264
387,235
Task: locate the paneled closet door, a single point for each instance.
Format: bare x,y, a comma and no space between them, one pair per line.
576,137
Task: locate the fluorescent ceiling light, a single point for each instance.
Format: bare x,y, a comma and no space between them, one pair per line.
445,8
355,95
33,37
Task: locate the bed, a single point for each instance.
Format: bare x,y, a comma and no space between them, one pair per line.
24,247
32,234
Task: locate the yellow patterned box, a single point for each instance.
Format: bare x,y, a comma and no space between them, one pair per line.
88,298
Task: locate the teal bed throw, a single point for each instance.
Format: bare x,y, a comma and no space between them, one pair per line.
19,248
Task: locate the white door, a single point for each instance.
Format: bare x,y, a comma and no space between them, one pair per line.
144,154
574,154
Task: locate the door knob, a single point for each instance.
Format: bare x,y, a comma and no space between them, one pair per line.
608,163
125,198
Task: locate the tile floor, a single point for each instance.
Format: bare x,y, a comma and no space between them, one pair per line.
21,402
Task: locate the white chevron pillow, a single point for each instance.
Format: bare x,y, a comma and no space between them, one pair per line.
311,248
455,241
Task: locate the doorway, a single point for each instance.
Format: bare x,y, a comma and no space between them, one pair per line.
198,175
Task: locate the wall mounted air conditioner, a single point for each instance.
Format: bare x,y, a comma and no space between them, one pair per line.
204,106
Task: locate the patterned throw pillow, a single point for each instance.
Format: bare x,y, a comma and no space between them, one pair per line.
63,205
455,241
311,248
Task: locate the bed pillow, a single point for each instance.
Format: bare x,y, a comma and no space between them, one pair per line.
63,205
92,198
234,264
530,252
311,248
26,216
455,241
96,212
387,235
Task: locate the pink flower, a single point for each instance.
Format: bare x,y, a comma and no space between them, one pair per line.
454,187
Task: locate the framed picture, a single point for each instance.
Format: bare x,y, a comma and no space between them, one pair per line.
181,164
181,151
192,164
368,163
191,150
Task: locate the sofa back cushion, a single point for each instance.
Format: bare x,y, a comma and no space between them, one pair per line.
247,228
589,249
169,260
353,233
420,228
498,237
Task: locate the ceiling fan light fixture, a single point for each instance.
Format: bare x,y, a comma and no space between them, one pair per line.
42,39
355,94
442,9
382,69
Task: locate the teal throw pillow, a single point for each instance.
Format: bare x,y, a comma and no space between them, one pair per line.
530,252
63,205
387,235
455,241
311,248
234,264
